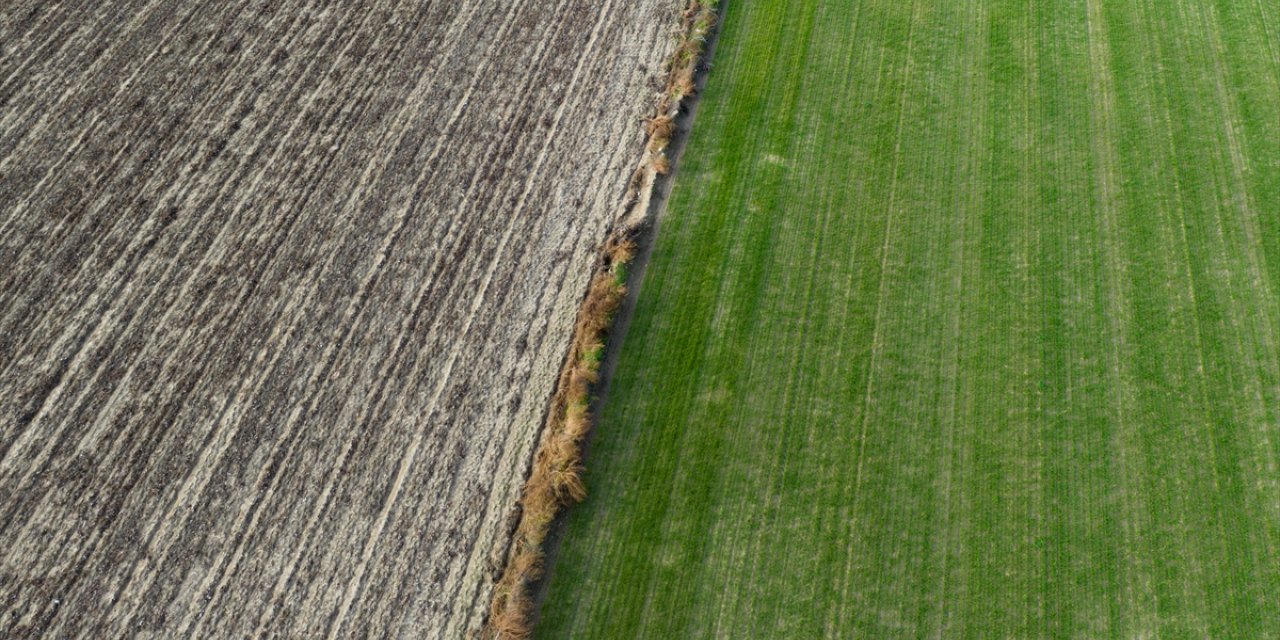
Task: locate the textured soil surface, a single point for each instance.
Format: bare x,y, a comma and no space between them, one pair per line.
284,286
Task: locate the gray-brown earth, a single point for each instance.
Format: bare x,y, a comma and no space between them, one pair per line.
284,286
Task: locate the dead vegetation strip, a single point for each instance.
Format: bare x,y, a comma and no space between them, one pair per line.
555,477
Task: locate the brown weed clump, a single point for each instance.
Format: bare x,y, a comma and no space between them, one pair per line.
661,165
556,477
661,127
696,23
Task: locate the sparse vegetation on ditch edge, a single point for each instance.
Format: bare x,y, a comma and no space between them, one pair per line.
555,478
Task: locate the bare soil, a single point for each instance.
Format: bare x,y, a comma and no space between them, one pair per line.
283,292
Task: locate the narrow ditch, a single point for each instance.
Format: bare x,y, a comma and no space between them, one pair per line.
553,483
645,236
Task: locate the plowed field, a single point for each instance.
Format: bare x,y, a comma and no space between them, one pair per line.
284,287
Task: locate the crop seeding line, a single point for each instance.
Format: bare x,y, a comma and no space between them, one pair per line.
1158,89
1241,201
884,264
950,460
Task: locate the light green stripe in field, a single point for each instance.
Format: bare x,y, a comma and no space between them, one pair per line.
963,323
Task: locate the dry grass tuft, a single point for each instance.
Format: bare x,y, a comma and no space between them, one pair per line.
512,622
621,252
661,165
683,82
555,479
660,127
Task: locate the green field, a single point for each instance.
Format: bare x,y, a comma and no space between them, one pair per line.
962,323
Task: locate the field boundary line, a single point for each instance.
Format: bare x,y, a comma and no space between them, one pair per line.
554,478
